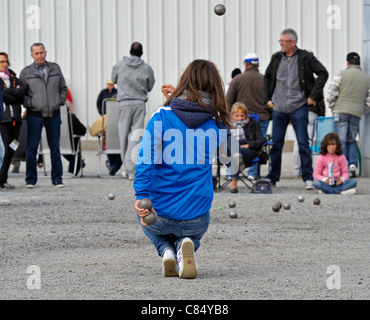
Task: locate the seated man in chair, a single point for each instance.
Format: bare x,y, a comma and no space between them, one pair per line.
248,133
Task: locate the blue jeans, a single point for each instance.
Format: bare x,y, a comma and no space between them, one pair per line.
347,129
349,184
168,234
34,129
299,120
253,170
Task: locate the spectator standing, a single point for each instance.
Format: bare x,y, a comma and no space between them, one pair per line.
46,92
349,99
289,88
13,92
135,79
247,89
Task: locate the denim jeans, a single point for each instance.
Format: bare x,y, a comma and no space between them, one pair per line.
168,234
253,170
347,129
312,116
34,129
348,184
299,120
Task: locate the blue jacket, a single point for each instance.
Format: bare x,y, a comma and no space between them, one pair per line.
174,165
1,106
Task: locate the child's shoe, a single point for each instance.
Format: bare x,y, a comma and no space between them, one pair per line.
186,260
170,268
349,192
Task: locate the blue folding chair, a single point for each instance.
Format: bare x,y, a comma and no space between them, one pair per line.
321,127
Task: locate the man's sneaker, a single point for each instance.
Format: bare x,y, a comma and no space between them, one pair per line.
349,192
252,178
131,178
124,175
4,202
8,186
309,185
186,260
30,186
59,185
353,171
169,264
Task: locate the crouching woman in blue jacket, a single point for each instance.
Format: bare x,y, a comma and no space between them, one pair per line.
174,166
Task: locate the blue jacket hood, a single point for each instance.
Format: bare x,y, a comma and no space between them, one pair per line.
191,113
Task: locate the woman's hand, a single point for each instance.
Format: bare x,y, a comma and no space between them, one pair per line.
167,90
142,212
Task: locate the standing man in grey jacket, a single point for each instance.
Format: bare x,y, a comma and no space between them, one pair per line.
46,93
349,98
135,79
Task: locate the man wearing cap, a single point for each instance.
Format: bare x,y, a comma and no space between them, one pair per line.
109,92
289,87
349,99
135,79
247,88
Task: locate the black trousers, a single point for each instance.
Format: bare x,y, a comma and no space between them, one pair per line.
9,132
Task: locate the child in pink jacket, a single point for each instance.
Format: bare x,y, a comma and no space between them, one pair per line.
331,171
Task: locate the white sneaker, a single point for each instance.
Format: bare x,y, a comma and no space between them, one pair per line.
131,178
186,260
4,202
252,178
309,185
353,171
169,264
124,175
349,192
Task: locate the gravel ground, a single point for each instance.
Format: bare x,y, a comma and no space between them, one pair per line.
85,246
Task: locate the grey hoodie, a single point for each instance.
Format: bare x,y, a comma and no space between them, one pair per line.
134,79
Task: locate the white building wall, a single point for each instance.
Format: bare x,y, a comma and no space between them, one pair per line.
87,37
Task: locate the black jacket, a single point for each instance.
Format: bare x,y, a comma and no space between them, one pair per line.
308,66
13,97
256,139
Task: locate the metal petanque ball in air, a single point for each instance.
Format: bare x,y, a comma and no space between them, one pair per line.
220,9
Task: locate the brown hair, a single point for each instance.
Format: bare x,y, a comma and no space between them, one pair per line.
203,76
326,141
6,55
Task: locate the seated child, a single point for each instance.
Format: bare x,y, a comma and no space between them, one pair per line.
249,135
331,171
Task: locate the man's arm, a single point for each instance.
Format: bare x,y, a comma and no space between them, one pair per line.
333,90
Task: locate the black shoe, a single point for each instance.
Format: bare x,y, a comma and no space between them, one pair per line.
234,191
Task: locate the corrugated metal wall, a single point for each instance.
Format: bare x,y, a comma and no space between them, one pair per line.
87,37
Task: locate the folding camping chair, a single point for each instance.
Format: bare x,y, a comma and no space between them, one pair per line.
109,136
67,144
257,186
321,127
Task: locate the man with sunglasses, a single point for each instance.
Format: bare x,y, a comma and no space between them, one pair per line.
289,88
